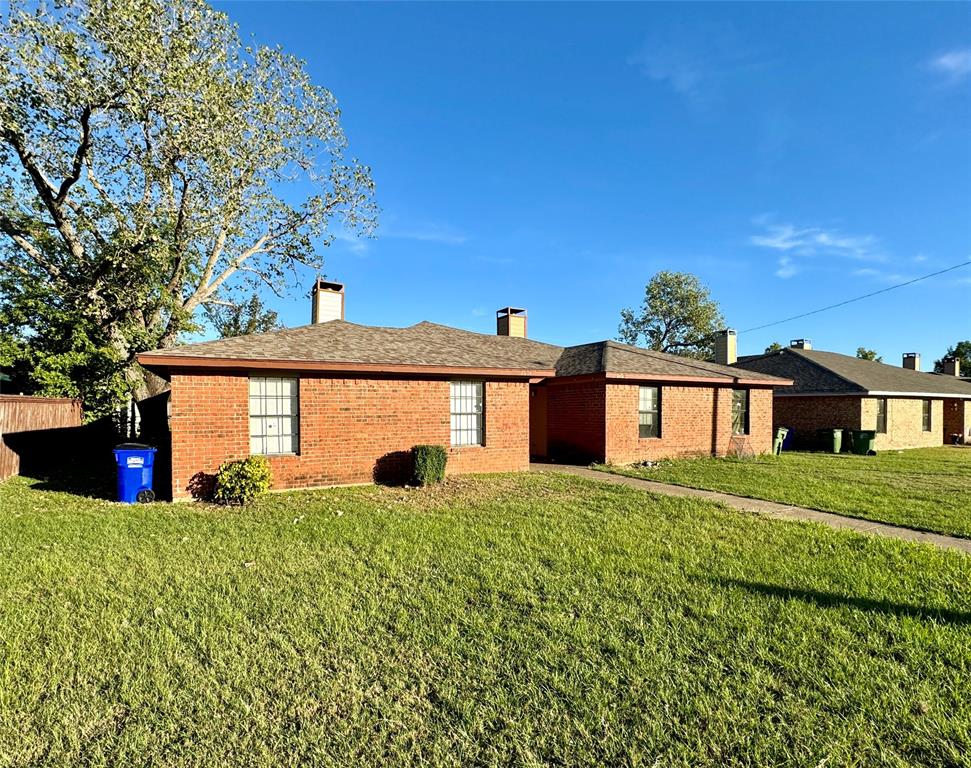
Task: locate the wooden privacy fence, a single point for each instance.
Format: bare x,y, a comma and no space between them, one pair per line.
22,418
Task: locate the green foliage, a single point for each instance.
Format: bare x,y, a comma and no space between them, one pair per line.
677,315
775,346
430,463
868,354
249,316
242,481
152,165
962,351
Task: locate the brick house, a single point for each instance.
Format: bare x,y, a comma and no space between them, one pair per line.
906,408
334,402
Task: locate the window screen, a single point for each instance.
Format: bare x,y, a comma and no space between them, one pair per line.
882,415
274,415
739,411
649,412
926,414
466,406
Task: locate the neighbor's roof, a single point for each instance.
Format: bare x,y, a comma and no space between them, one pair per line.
426,347
815,371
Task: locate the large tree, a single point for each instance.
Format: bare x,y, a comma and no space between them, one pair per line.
249,316
962,351
151,165
677,315
868,354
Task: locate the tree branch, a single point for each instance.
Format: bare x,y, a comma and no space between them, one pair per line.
80,154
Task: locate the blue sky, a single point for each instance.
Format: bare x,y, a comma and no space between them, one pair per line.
555,157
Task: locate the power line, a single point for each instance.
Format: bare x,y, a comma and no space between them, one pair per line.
857,298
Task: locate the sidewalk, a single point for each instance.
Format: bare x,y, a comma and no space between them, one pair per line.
767,508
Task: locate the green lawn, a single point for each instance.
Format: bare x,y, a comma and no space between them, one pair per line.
514,619
928,489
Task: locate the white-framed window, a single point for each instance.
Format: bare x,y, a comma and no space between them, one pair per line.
649,412
274,415
926,421
466,407
740,412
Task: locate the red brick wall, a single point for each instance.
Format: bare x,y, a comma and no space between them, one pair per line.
350,428
576,420
807,414
957,420
695,421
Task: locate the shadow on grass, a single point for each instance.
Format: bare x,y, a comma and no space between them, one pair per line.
833,600
92,481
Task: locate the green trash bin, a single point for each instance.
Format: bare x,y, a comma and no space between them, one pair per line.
830,440
849,438
864,442
780,436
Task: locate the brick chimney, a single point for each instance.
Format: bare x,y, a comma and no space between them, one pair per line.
726,347
951,366
912,361
801,344
511,321
327,302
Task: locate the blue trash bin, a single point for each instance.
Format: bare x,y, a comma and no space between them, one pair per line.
135,462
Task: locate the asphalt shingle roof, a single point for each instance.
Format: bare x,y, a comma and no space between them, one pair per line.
614,357
339,341
823,372
429,344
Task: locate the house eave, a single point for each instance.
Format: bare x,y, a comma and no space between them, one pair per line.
164,364
717,380
879,393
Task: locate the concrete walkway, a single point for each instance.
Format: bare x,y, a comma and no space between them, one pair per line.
767,508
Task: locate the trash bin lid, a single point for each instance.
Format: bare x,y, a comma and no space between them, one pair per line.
134,447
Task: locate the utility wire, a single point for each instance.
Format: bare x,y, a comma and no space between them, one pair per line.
857,298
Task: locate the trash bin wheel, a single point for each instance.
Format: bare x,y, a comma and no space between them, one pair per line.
145,496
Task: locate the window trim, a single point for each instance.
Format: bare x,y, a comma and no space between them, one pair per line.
656,412
294,416
927,415
746,426
480,414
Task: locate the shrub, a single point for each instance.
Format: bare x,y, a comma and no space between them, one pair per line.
240,482
429,463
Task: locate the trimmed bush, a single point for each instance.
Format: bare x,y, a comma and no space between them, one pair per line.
241,482
429,463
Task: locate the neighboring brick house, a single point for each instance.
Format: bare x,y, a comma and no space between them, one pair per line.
334,402
906,408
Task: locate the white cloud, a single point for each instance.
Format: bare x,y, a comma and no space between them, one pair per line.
353,243
696,63
954,65
427,233
786,268
809,242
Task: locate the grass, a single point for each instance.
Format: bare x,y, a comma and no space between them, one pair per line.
928,489
514,619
